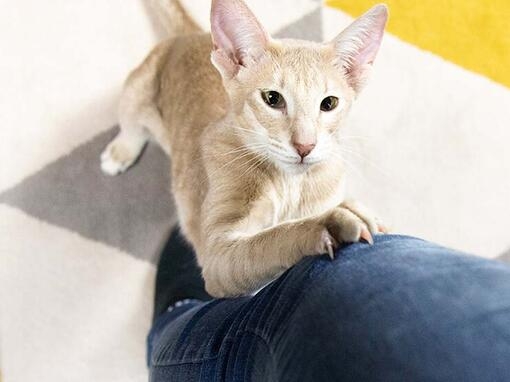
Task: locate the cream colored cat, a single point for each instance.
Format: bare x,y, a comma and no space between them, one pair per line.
253,127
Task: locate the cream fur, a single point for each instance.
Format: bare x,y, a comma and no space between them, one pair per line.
248,203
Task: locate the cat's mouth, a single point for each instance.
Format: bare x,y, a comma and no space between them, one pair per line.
308,160
297,165
292,163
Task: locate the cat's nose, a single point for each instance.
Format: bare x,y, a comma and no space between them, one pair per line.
303,149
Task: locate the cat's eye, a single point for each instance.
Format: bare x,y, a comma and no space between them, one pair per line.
273,99
329,103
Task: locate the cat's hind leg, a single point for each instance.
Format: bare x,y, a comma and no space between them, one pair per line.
139,118
135,131
124,150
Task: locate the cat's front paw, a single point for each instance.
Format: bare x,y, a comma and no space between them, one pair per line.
374,224
348,223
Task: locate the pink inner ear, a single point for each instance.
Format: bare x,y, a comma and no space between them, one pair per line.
367,54
236,31
220,39
358,44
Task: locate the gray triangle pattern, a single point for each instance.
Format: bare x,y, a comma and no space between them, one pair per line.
133,211
309,27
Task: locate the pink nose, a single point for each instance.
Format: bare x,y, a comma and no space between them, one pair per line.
304,149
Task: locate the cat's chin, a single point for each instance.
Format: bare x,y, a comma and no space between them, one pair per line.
295,168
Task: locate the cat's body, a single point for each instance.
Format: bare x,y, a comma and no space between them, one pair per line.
248,216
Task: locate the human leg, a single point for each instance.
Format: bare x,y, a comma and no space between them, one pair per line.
402,309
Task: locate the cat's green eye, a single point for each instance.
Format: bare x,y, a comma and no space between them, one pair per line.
273,99
329,103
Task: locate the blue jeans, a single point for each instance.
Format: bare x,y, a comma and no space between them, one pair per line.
401,310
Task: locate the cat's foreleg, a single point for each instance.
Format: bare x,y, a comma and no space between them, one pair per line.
241,264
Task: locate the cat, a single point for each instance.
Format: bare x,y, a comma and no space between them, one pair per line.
253,127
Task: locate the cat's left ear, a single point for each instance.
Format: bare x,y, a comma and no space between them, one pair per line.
357,46
238,37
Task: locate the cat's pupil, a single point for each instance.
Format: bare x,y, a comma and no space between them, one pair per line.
273,99
329,103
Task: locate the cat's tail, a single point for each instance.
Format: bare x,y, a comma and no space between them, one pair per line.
174,18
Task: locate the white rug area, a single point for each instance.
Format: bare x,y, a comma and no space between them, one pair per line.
72,309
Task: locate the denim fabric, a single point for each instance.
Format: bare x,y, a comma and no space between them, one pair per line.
401,310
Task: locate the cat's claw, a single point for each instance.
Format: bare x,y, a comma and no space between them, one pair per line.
382,228
367,236
331,253
327,244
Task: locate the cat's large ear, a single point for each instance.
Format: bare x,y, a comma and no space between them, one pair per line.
238,37
357,46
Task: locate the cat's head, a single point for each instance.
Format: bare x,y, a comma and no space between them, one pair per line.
290,97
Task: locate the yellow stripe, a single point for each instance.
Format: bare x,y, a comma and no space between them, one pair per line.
474,34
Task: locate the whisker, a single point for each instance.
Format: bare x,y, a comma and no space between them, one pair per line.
245,148
229,163
355,137
250,131
252,167
272,140
367,161
351,166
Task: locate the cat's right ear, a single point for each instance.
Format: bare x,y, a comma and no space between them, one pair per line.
239,39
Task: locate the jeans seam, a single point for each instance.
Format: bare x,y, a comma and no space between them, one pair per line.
297,300
175,363
265,342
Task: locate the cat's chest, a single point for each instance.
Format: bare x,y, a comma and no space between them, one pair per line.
287,200
301,197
